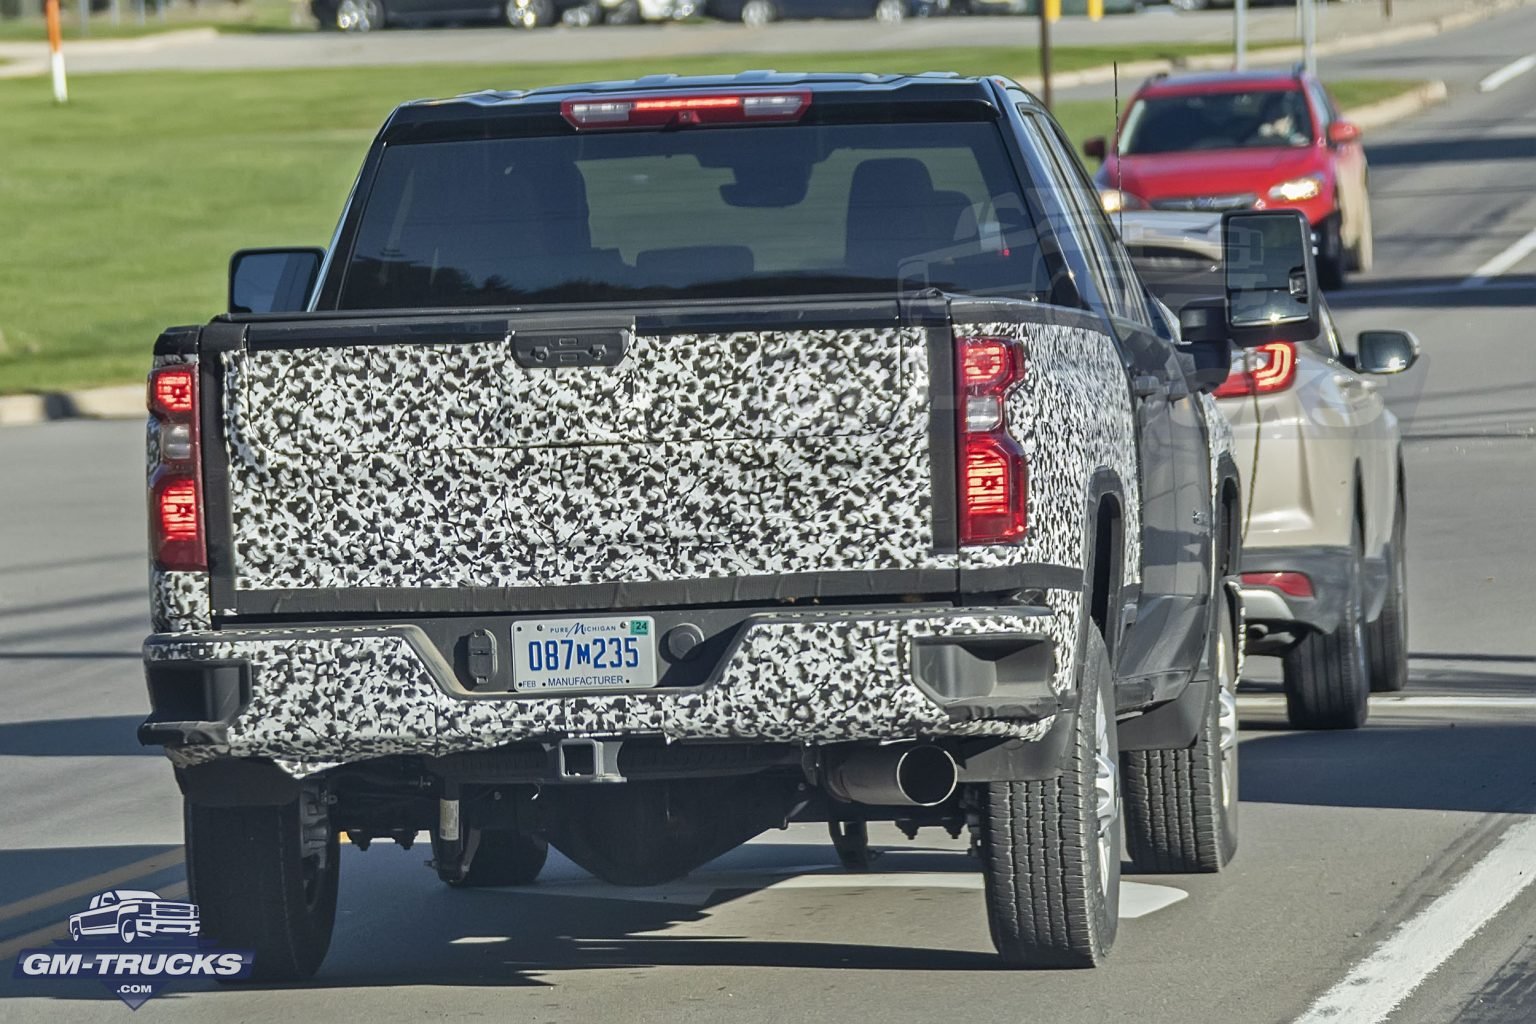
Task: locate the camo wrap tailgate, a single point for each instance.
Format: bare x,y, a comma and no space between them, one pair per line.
698,456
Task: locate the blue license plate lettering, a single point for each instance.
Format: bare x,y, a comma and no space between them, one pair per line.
583,654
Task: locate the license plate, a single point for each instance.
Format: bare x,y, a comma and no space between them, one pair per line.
583,654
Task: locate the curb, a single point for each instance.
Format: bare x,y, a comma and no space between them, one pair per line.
1278,54
1395,108
118,402
27,67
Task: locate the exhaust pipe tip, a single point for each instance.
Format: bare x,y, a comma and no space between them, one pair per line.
909,776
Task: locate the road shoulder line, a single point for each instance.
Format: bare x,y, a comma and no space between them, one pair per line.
1382,981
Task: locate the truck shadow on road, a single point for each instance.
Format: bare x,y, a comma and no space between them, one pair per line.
1396,762
105,736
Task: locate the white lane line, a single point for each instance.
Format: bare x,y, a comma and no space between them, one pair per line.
1380,982
1244,700
1503,261
1512,70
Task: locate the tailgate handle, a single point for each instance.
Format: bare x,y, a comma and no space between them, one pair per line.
553,349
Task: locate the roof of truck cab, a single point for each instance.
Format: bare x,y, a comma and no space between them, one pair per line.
815,82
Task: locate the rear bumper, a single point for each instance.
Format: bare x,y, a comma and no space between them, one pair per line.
1277,612
314,698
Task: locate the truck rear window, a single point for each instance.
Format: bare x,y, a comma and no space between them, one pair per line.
713,213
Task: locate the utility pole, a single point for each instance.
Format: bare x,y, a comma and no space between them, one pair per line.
1240,34
1050,10
1309,35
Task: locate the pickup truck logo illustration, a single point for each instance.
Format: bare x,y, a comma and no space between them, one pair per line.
132,914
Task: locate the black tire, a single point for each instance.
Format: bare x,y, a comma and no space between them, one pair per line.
505,857
1050,851
1387,638
851,841
1331,256
360,16
1327,679
757,13
1181,805
626,13
532,14
255,890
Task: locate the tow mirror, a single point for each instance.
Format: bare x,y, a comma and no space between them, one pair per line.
273,280
1385,351
1204,338
1271,277
1095,147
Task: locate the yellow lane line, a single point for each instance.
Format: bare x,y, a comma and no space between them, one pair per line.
43,936
91,886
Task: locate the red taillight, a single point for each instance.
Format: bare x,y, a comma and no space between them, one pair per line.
1296,584
176,503
610,112
176,486
173,391
1273,368
993,478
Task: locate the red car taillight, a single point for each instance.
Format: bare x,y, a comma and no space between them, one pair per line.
993,477
176,487
1296,584
1273,369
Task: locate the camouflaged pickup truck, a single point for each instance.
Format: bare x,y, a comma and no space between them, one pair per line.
646,465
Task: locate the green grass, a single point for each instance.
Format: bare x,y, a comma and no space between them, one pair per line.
121,209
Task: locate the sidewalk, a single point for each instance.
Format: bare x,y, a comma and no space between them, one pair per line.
1353,23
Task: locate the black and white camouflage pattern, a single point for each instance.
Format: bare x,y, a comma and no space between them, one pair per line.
1072,415
452,466
178,601
322,697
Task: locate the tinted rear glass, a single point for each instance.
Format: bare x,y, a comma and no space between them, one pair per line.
1224,120
720,212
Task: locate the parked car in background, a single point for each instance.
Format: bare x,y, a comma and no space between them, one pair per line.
371,15
1324,559
1070,8
1233,140
757,13
374,15
582,13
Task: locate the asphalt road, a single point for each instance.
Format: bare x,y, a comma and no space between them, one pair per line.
1425,817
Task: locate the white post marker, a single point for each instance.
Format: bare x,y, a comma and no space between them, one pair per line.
56,50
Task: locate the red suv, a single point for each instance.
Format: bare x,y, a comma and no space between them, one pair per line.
1244,139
